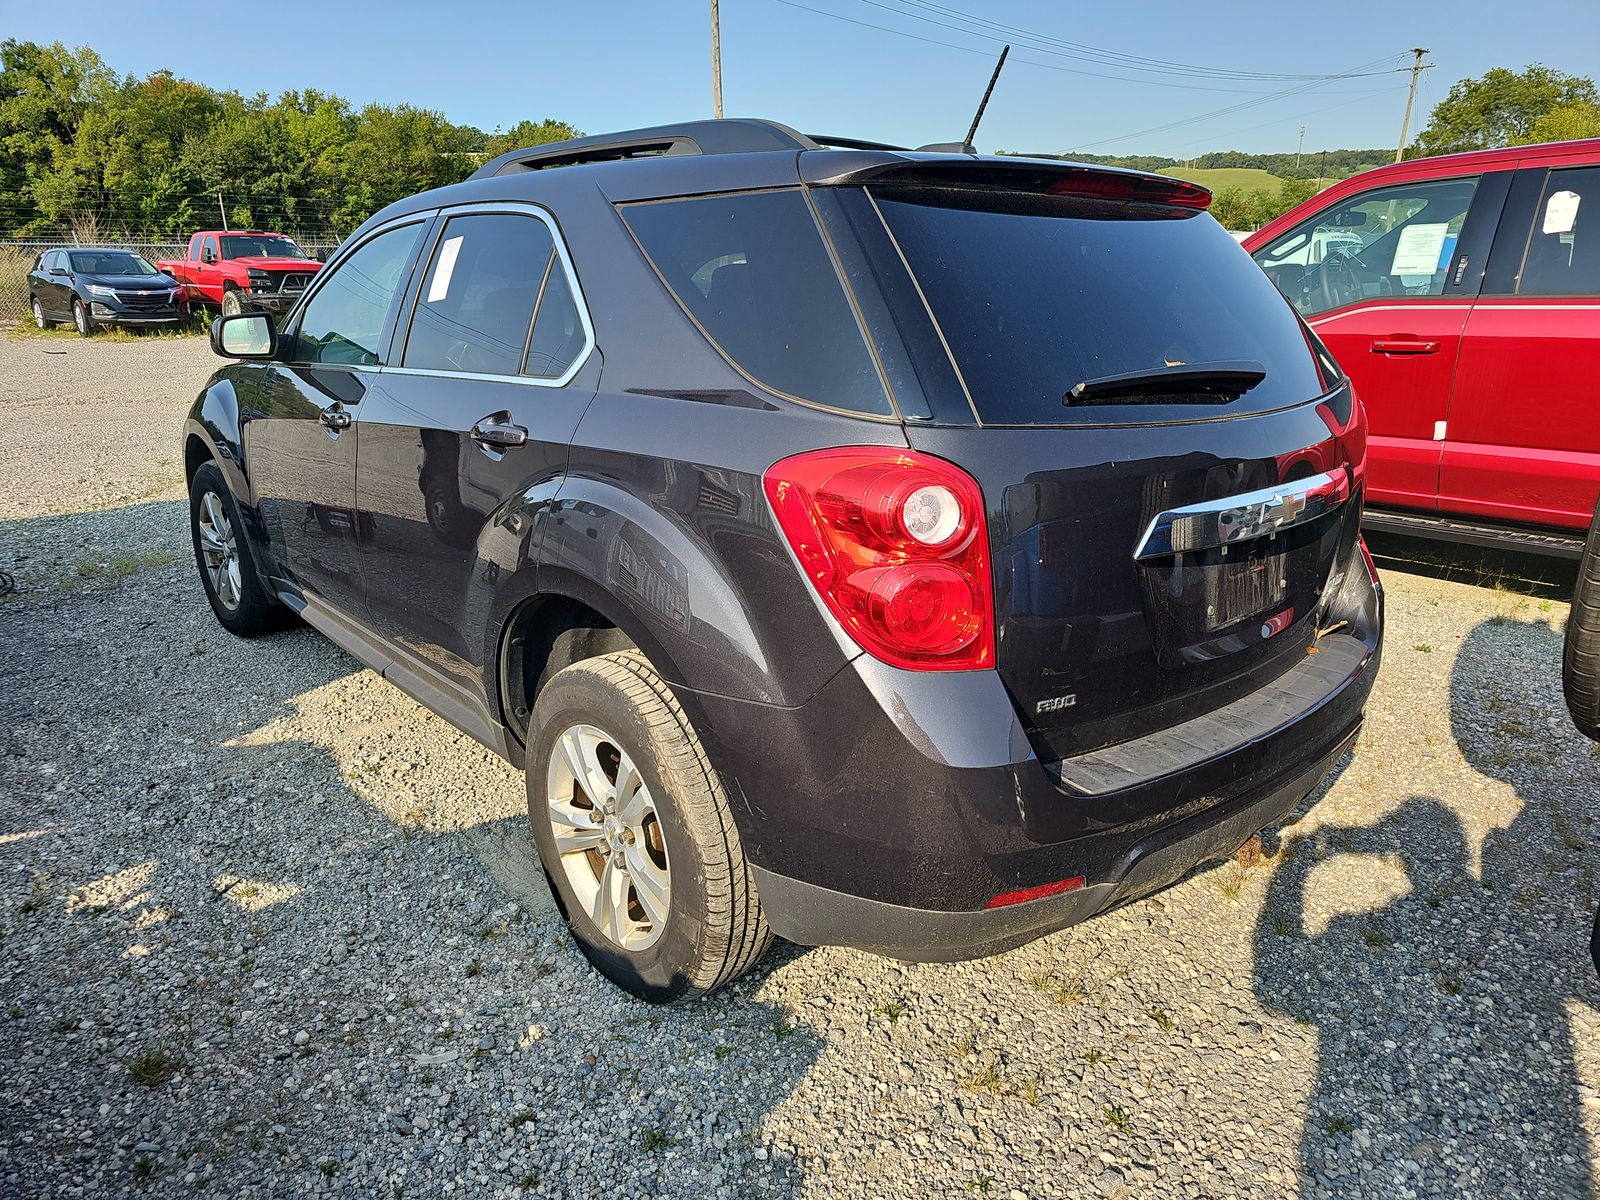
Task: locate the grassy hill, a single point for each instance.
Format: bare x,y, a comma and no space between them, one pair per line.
1248,179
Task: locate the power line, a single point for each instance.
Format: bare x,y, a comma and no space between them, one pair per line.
964,23
931,41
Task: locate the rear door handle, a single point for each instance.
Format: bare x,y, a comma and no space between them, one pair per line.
1404,346
499,434
335,417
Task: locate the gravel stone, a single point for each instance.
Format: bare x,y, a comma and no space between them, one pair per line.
270,929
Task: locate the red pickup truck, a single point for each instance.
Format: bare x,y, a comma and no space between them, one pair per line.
236,270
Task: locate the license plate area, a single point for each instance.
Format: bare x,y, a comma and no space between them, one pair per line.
1207,604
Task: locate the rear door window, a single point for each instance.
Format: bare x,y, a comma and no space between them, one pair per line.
1563,256
475,308
753,272
1036,293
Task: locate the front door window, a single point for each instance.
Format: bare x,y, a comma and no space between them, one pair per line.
1393,241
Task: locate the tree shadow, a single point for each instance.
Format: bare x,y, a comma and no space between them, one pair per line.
1439,991
204,881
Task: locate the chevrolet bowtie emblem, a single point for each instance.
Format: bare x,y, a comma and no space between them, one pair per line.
1285,508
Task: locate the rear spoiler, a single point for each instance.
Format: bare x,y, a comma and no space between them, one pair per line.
1083,180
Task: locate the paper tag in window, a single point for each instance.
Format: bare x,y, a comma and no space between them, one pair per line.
440,287
1417,251
1561,212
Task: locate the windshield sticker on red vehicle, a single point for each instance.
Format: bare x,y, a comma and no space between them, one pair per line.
1417,251
440,287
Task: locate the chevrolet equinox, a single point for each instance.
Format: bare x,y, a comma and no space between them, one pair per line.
913,551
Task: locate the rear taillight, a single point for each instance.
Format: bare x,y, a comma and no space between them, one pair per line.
895,544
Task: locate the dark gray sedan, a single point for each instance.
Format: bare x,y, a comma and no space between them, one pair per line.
93,286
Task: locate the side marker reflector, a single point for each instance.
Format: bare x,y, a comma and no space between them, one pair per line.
1023,895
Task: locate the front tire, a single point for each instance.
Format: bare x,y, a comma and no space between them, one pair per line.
636,833
1580,663
232,306
223,554
81,319
39,319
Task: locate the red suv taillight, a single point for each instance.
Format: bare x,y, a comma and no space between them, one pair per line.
895,544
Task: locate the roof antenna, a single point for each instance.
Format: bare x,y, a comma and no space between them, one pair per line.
972,133
966,146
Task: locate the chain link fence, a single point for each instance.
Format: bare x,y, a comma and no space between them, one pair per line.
17,258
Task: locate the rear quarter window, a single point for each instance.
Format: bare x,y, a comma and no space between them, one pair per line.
753,272
1035,294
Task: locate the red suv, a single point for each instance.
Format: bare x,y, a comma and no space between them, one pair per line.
1462,296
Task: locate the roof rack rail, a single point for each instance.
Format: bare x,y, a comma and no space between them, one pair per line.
731,136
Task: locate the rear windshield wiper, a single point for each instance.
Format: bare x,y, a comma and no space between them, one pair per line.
1225,379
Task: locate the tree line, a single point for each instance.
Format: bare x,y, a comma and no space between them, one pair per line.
83,148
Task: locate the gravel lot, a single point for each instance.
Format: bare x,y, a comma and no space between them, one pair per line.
270,929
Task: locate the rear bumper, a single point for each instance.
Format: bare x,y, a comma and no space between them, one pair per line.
818,916
890,809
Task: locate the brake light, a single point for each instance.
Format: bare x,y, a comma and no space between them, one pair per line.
1143,189
894,542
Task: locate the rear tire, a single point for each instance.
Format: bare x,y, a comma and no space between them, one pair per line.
226,561
617,717
1580,664
39,319
81,319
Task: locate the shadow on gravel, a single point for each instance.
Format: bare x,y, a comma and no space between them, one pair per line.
201,882
1445,1056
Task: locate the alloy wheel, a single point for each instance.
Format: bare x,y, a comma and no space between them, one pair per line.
220,548
80,318
38,313
609,837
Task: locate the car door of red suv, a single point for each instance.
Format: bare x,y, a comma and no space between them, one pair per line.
1523,442
1386,276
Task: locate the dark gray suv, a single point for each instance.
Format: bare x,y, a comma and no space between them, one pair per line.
912,551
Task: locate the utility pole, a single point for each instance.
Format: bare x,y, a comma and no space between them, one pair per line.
1411,98
1300,147
221,208
716,63
1322,168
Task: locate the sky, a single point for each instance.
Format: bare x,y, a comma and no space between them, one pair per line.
1137,77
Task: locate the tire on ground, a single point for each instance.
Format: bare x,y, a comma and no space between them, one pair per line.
715,930
1580,665
231,304
257,612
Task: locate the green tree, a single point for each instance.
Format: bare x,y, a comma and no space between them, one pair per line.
528,133
1567,123
1501,108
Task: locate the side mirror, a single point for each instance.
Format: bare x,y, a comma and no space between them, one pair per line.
208,255
244,335
58,270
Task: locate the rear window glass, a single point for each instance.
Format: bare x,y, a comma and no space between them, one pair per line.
753,271
1036,294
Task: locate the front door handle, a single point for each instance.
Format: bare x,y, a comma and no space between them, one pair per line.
1402,345
335,417
499,434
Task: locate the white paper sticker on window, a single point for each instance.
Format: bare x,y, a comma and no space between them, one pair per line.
1417,252
1561,212
440,287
